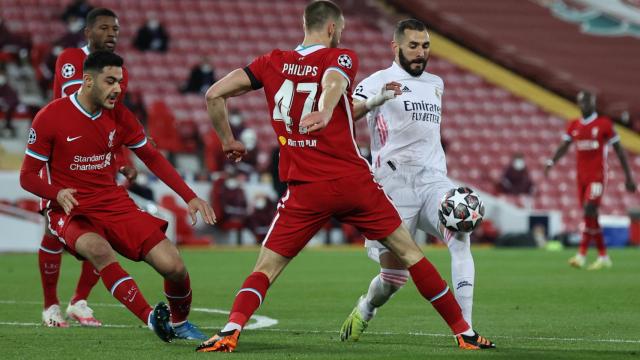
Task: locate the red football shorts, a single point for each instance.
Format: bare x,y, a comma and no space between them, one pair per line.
132,234
590,192
306,207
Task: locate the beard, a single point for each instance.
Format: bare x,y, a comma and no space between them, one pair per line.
406,64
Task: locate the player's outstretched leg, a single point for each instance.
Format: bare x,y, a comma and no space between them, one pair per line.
165,258
49,259
462,271
381,289
433,288
247,301
78,308
118,282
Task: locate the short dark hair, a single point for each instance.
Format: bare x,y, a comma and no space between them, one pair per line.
98,60
93,15
408,24
318,12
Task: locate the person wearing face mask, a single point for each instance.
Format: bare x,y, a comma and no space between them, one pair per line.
260,219
515,179
152,37
8,102
202,76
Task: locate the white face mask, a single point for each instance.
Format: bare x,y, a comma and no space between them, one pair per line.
519,164
260,203
205,67
76,25
232,184
235,120
153,24
3,80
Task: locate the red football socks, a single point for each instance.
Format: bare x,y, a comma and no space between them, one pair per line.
88,279
125,290
249,298
49,259
179,296
593,231
433,288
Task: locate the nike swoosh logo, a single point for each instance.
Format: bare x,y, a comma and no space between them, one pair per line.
70,139
50,272
133,297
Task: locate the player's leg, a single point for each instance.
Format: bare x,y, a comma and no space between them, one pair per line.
377,218
84,238
302,211
432,188
166,260
434,289
398,184
392,277
49,260
592,225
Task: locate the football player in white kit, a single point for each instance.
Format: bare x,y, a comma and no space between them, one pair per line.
403,105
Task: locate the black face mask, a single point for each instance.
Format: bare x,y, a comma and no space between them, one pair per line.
406,64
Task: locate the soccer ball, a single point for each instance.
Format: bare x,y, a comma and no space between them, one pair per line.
461,210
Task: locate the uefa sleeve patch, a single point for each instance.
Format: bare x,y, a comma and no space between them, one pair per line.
345,61
68,70
32,136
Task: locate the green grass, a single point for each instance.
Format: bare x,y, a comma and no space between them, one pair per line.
527,301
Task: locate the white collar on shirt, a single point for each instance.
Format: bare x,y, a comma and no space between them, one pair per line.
589,118
306,50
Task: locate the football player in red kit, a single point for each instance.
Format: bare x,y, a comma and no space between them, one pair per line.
89,213
101,32
308,92
591,134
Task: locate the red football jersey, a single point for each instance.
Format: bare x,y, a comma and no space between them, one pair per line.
79,151
292,85
68,76
591,136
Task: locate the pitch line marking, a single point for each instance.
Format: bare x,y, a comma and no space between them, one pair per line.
260,320
271,322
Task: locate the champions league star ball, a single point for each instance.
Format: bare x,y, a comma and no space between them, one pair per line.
461,210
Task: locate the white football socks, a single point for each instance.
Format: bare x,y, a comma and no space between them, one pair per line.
462,272
382,287
231,326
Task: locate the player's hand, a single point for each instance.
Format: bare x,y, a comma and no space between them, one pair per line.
630,185
66,200
315,121
198,205
129,172
389,91
234,150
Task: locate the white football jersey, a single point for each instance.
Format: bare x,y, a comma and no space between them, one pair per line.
406,129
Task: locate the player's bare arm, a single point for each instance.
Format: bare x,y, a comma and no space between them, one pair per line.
234,84
560,152
333,86
389,91
629,183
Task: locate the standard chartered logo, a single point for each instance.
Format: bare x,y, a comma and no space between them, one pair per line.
92,162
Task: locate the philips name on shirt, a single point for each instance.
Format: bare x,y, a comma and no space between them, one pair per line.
299,70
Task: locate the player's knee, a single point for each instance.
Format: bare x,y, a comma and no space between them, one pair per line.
100,253
177,271
393,279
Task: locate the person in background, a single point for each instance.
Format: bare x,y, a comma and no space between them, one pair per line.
202,76
515,179
152,37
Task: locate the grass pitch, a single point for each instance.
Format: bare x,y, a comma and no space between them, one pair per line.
529,302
